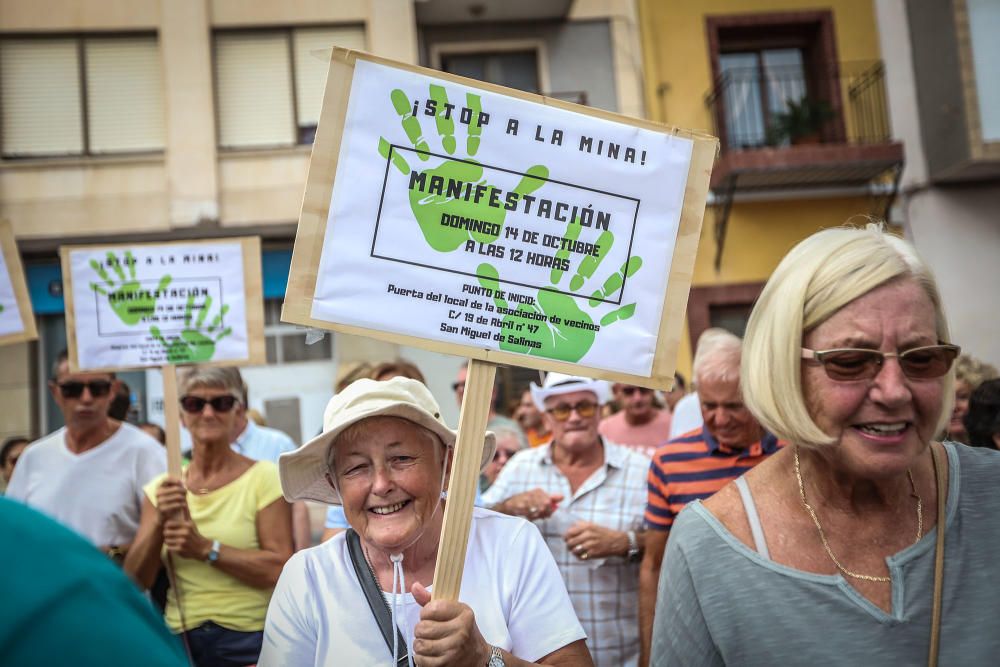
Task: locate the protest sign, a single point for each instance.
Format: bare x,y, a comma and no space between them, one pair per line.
470,219
17,320
148,305
474,220
153,304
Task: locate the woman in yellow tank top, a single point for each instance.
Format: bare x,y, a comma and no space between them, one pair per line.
225,527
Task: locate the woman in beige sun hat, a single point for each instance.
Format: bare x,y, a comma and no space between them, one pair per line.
363,597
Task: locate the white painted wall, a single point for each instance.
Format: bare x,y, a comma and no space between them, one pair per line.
956,229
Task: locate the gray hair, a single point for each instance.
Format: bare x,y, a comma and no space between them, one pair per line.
215,377
717,356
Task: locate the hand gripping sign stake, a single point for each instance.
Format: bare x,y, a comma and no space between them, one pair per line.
464,476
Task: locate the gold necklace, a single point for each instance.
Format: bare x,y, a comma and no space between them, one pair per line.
822,535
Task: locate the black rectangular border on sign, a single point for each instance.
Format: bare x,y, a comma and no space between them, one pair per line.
215,279
378,218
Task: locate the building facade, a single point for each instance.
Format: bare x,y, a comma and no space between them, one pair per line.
944,95
154,120
795,92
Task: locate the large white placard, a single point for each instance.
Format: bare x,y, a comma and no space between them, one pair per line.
152,305
10,314
463,215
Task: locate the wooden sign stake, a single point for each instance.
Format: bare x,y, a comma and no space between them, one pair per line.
172,420
464,477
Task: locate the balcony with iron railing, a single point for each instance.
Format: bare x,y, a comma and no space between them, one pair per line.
802,127
813,130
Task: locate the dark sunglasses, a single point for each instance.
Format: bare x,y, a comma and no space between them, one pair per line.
503,454
74,389
562,411
851,364
628,391
195,404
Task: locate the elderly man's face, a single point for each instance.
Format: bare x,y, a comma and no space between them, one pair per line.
637,402
570,429
83,398
390,478
527,414
726,417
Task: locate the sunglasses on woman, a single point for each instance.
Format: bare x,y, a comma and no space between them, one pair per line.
195,404
74,389
852,364
562,411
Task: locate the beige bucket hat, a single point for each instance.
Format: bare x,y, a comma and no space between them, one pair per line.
303,472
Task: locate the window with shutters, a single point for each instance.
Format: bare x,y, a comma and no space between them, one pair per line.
79,95
269,83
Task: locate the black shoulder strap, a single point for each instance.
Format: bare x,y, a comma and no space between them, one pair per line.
373,594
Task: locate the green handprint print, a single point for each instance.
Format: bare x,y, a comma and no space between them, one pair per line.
428,208
194,344
129,301
554,326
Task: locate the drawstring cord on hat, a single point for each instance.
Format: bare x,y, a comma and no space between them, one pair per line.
398,577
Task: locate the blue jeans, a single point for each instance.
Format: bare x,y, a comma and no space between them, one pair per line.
215,646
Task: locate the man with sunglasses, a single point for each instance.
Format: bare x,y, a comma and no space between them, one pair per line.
587,495
89,474
640,424
697,464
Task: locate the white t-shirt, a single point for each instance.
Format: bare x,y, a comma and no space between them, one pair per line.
97,493
319,616
687,415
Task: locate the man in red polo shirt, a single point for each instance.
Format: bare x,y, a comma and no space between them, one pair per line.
640,424
696,464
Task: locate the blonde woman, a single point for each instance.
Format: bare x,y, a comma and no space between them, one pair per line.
825,554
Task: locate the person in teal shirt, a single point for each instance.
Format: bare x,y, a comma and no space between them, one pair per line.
64,602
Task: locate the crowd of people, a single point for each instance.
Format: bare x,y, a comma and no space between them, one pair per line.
834,468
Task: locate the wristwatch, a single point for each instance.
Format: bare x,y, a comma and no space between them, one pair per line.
213,553
633,547
496,658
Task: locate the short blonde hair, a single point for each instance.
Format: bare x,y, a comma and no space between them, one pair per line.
974,372
818,277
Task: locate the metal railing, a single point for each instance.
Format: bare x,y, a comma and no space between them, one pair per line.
837,103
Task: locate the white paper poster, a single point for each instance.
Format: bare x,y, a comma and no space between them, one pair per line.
465,216
150,305
10,314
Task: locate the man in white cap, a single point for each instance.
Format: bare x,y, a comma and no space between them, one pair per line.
587,496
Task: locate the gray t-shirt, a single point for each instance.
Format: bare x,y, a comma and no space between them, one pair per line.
721,603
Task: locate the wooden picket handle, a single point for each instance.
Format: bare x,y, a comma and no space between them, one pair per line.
172,420
465,465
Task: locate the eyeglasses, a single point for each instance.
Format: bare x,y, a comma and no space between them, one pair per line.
195,404
562,411
74,389
628,391
456,386
852,364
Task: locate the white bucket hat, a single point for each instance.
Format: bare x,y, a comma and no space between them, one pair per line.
556,384
303,472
